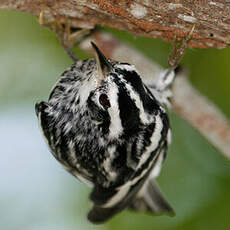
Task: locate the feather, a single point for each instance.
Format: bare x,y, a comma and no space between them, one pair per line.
108,202
150,199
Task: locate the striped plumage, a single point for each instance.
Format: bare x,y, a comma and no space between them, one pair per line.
106,127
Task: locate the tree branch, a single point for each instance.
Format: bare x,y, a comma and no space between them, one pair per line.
157,19
201,113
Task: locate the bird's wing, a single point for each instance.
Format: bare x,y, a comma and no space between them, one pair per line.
48,130
109,201
150,199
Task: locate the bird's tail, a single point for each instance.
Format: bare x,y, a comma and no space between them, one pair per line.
150,199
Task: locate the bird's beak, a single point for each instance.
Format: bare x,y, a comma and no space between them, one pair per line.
103,65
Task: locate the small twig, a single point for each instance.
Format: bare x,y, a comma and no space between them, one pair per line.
199,112
178,49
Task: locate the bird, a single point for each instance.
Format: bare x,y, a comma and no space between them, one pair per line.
111,131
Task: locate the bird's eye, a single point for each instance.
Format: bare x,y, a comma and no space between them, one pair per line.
103,99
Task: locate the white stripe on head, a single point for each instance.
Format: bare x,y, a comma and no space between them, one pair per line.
85,89
115,128
165,79
126,67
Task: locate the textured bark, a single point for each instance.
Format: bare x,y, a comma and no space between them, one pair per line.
154,18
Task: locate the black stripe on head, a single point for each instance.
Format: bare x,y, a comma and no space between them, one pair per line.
150,104
129,113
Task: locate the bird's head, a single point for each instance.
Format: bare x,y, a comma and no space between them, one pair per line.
118,99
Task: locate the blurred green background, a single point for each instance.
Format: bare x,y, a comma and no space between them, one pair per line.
37,194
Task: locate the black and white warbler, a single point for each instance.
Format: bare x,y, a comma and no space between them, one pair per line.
110,130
